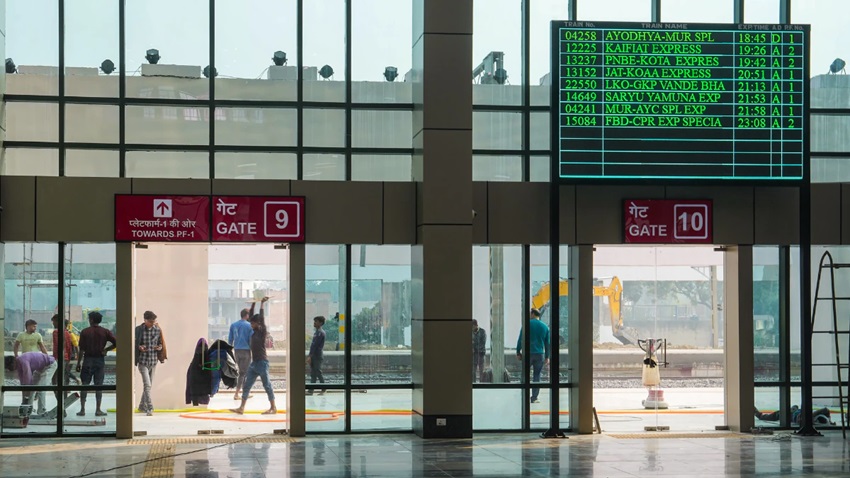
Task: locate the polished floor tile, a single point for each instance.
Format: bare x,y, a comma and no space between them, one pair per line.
519,455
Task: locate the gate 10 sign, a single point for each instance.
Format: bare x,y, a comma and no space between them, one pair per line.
667,221
257,219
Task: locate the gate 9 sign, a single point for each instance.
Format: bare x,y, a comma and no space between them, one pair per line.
257,219
668,221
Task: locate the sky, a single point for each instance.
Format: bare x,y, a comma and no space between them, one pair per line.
249,31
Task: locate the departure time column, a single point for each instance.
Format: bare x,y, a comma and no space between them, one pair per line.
581,101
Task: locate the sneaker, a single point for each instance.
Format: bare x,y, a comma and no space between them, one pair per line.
100,413
534,400
81,413
149,413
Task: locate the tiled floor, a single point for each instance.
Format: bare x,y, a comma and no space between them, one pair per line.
406,455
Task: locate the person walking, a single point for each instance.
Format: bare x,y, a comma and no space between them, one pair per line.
317,353
150,349
260,362
240,338
479,349
538,349
91,362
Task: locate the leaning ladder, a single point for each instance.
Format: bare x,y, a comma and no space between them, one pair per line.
826,262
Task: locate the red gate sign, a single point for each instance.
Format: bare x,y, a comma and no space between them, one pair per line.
668,221
257,219
155,218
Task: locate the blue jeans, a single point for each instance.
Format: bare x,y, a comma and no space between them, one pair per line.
258,368
536,367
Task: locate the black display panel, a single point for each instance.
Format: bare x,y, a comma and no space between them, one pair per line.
680,101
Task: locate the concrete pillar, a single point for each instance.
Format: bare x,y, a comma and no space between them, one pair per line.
442,257
581,338
125,358
295,360
738,305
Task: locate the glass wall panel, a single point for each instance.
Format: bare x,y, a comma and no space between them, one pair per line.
324,127
542,13
29,162
496,168
91,48
179,32
830,170
32,43
375,62
497,52
540,132
256,165
90,287
32,121
381,167
496,409
91,123
381,410
91,163
830,133
324,50
761,11
497,308
381,129
167,164
380,321
615,10
491,130
767,403
539,168
830,38
31,291
324,167
539,281
167,125
766,315
256,126
704,11
325,296
247,35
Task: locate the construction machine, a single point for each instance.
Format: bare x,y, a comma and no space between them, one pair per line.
613,291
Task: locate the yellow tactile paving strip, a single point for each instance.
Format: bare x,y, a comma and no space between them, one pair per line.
211,440
161,461
677,435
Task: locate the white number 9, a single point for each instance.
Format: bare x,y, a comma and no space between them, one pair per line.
282,218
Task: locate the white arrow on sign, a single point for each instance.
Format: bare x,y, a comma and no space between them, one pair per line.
162,208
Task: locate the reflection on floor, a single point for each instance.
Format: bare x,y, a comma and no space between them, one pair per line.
406,455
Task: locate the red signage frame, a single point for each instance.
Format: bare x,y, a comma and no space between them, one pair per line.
173,218
668,221
257,219
161,218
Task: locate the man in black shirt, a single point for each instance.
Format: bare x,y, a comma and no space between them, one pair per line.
260,362
317,356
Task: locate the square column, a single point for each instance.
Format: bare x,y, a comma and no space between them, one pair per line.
295,359
125,357
442,257
581,338
738,306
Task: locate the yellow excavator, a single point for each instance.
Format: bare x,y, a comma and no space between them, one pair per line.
614,293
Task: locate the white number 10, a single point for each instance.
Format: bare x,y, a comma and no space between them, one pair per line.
282,218
696,222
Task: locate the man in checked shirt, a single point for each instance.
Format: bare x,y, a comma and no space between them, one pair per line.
150,348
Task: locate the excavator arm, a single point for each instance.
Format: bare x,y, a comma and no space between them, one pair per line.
614,293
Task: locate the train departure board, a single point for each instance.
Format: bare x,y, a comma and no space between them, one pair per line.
680,101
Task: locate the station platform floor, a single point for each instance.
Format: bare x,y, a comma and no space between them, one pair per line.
486,455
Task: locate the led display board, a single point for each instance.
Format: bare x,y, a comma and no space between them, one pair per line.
680,101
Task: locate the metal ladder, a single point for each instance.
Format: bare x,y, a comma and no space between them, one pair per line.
841,369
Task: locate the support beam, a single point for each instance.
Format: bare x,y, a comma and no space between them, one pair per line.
738,306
